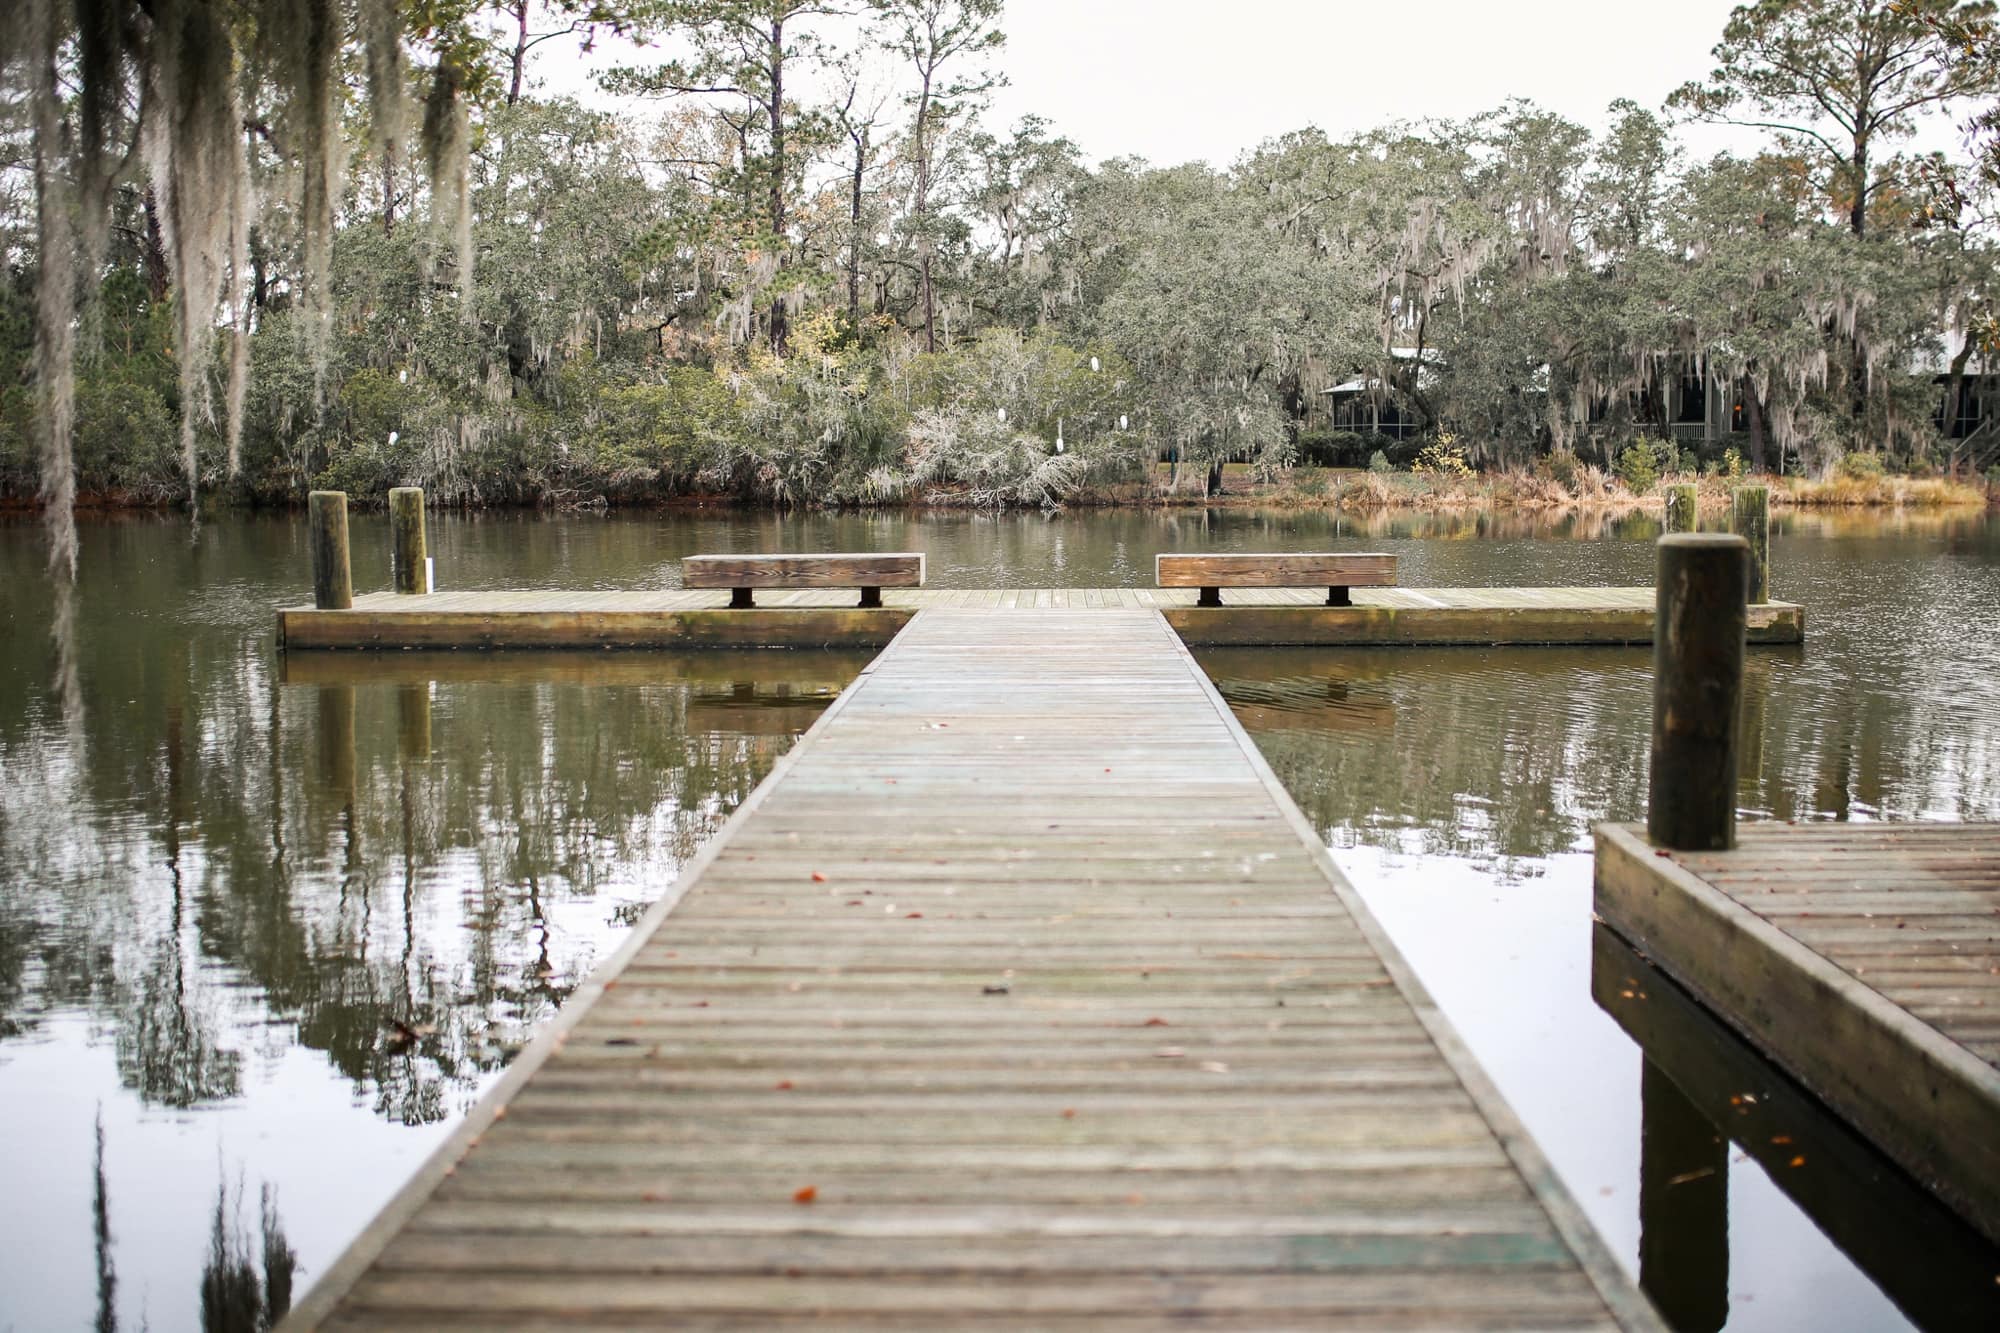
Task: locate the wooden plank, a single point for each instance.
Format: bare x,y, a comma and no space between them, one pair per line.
817,617
1275,570
835,569
896,1049
1889,1054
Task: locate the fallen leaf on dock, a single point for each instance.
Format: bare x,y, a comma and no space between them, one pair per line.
819,877
806,1194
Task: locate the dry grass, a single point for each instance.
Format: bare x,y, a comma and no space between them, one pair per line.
1876,492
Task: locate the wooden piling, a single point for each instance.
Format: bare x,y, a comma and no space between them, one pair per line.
1682,507
406,529
1750,519
333,584
1700,621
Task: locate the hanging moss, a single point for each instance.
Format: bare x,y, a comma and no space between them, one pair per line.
55,295
195,155
447,145
382,42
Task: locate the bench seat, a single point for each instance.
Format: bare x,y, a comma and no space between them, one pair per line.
1334,571
870,571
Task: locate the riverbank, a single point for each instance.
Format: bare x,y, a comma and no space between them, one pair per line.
1349,490
1586,490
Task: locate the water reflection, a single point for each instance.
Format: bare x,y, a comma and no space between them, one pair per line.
292,914
253,911
1705,1090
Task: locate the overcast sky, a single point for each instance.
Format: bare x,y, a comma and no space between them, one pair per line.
1174,80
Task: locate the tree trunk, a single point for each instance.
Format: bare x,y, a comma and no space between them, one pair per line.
776,110
1754,410
854,228
1954,394
1214,478
154,261
520,56
388,190
922,210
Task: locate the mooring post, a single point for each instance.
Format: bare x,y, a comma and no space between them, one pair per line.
1682,507
1750,519
1698,630
406,531
333,585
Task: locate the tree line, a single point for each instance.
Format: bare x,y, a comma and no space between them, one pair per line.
782,255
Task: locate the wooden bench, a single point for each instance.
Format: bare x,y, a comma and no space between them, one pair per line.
1335,572
742,574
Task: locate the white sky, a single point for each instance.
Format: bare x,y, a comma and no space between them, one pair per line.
1178,80
1174,80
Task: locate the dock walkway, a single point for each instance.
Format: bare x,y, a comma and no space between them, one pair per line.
1864,959
1019,995
818,617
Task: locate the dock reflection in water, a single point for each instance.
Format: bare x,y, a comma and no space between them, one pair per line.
1708,1097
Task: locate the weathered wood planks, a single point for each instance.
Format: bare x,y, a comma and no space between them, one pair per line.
1335,571
820,618
1863,959
870,571
1019,995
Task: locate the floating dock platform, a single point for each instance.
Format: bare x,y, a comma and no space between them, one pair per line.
823,618
1863,959
1019,995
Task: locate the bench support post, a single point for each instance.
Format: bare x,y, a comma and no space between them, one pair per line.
1338,596
871,597
1209,597
739,598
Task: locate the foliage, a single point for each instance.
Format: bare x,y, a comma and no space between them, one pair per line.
810,275
1442,458
1639,466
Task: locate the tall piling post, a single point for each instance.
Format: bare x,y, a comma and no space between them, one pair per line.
410,550
1750,519
1682,507
1698,632
333,583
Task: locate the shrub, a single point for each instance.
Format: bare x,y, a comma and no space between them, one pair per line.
1559,467
1861,467
1730,466
1378,463
1639,466
1442,458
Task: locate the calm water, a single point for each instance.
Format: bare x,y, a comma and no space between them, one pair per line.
265,931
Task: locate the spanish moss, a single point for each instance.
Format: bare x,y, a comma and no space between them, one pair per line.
195,154
447,144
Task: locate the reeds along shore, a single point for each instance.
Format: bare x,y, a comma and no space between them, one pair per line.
1589,489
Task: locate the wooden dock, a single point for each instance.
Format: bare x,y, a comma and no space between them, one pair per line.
829,618
1019,995
1862,959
